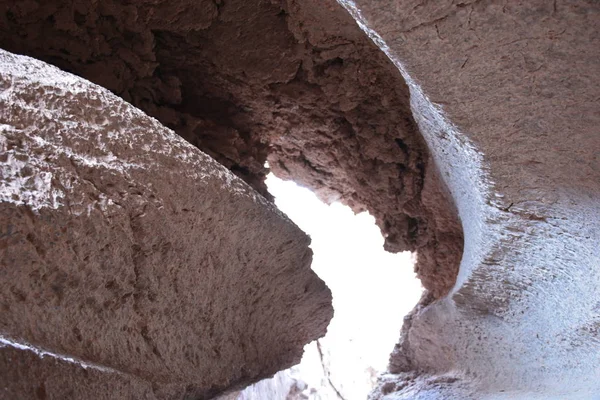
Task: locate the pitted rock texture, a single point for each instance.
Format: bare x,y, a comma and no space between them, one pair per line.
506,95
296,83
27,375
24,375
126,247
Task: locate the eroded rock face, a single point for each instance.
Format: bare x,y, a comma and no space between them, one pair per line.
296,83
24,375
506,96
127,248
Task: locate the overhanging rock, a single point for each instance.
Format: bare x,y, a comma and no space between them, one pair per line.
506,96
126,248
294,82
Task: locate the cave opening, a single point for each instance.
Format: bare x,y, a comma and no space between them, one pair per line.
297,83
294,83
372,290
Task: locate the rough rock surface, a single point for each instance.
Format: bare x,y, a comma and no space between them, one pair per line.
294,82
507,96
125,247
29,375
24,375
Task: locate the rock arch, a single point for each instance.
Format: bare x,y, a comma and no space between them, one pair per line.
484,124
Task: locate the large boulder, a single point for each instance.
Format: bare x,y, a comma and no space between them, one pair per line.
506,96
124,247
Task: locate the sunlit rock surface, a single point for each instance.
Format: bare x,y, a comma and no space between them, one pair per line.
506,96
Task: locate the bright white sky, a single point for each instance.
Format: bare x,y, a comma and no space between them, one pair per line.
372,289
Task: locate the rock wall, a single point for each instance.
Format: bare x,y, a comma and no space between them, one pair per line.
125,248
296,83
506,96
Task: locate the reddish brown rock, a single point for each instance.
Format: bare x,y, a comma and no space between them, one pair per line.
27,375
296,83
505,95
125,247
24,375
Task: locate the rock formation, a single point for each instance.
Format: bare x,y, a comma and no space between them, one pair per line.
506,95
24,375
127,249
293,82
483,125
